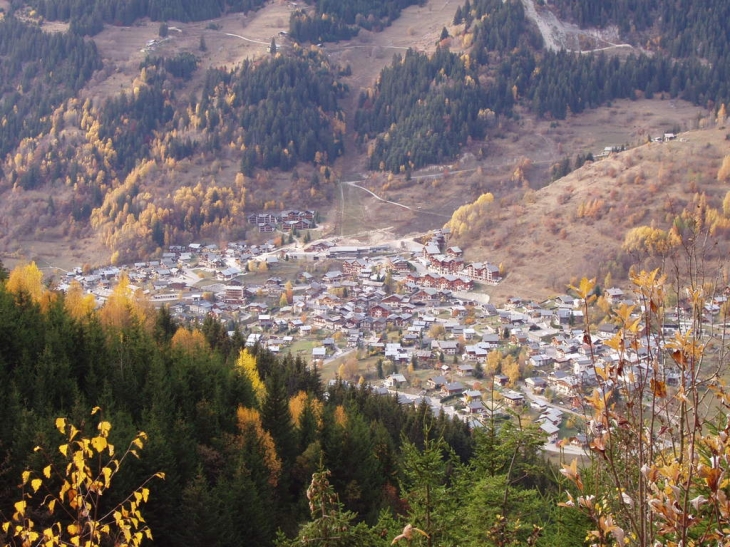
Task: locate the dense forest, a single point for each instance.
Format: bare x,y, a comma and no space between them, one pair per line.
238,432
89,17
335,20
506,53
421,125
38,72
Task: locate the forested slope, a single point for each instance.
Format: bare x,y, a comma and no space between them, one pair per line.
89,17
115,163
238,434
513,70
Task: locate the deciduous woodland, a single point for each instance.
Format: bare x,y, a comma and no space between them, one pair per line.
113,163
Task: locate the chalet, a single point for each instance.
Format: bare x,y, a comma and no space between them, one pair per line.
536,384
396,381
540,360
332,277
431,249
380,310
262,218
354,267
490,340
551,431
614,294
436,382
475,407
465,370
551,415
472,395
448,347
566,301
398,264
257,308
229,273
319,353
396,353
501,379
513,399
475,354
564,384
422,355
518,337
453,388
564,316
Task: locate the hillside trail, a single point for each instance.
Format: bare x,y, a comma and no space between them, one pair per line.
557,34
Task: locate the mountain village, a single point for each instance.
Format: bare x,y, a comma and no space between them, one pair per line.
418,311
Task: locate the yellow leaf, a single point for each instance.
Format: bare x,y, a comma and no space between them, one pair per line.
99,443
138,442
104,428
63,449
72,529
61,424
20,507
47,471
6,527
95,410
75,540
51,506
107,472
145,494
35,484
25,476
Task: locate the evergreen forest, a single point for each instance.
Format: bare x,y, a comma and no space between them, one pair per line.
89,17
507,55
239,433
335,20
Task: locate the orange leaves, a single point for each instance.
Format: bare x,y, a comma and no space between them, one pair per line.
124,306
78,305
190,341
301,402
572,474
252,431
658,388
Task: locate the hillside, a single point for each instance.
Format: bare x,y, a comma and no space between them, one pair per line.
578,225
172,137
